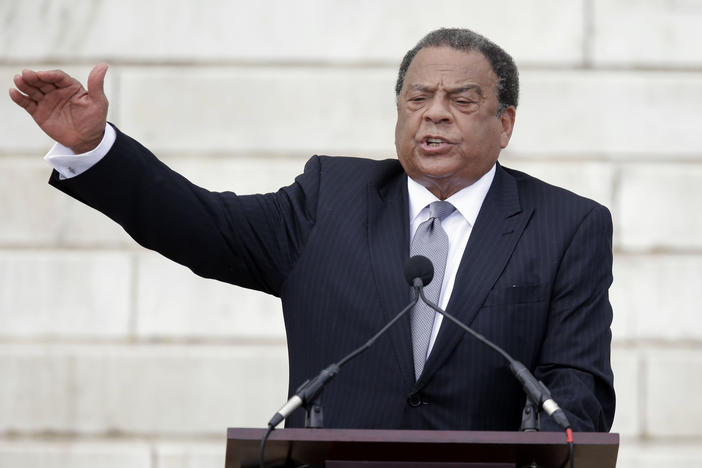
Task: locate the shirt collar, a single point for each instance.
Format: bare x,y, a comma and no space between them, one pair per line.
467,201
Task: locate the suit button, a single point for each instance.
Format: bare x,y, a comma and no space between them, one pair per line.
414,400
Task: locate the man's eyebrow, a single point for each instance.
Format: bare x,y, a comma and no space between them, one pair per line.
458,90
463,89
422,88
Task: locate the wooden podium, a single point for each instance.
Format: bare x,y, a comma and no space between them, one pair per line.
360,448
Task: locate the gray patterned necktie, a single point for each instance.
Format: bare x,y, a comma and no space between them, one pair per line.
431,241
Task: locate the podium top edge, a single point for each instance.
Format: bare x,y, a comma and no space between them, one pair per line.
424,436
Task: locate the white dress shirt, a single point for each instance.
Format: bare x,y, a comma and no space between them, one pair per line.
458,225
69,164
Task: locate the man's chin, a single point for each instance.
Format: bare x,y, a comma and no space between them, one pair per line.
433,180
431,168
437,169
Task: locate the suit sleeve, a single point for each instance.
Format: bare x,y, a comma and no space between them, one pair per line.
252,241
575,355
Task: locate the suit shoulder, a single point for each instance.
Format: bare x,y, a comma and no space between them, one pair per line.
537,193
350,170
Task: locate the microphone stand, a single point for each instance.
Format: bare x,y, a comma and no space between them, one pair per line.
307,395
530,417
314,416
538,395
418,272
310,390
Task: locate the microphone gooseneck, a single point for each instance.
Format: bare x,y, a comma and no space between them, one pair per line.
418,271
535,390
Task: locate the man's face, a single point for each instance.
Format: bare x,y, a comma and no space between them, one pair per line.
448,133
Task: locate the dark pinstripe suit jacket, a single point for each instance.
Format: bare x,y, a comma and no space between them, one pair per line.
534,279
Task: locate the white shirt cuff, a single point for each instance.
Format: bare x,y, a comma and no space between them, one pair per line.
68,164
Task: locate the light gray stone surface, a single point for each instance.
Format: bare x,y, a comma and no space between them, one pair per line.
59,294
252,110
651,33
659,205
655,455
306,31
673,380
591,179
608,115
35,214
112,356
658,297
241,175
146,390
71,454
626,364
178,454
173,302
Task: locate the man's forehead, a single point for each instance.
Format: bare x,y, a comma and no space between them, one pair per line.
460,68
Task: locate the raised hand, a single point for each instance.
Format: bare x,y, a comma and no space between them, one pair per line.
61,106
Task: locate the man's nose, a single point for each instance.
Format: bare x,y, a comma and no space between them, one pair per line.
438,110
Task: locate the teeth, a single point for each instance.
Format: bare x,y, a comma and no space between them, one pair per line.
434,141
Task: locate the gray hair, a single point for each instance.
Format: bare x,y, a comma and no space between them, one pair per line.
466,41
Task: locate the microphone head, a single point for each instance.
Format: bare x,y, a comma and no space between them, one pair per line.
420,267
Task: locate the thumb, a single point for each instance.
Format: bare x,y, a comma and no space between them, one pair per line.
96,80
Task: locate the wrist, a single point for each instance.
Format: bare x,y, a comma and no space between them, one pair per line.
88,145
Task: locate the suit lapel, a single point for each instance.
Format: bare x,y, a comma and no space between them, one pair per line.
499,225
388,237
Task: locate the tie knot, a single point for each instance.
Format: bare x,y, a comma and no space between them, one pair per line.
440,209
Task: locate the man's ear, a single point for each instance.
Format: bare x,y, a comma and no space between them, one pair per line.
507,121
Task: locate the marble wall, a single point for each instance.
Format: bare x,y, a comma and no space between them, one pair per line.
112,356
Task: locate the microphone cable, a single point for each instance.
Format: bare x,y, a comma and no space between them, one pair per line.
261,457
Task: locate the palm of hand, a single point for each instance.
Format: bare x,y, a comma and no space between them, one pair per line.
68,114
63,108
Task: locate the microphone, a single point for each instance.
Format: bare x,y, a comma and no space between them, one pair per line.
535,389
305,394
419,272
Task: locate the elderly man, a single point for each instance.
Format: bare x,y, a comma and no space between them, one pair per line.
526,264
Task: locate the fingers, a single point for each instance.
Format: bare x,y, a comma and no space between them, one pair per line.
32,91
55,78
23,101
31,78
96,81
33,87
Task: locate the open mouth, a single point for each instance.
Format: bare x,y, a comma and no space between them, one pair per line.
435,142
